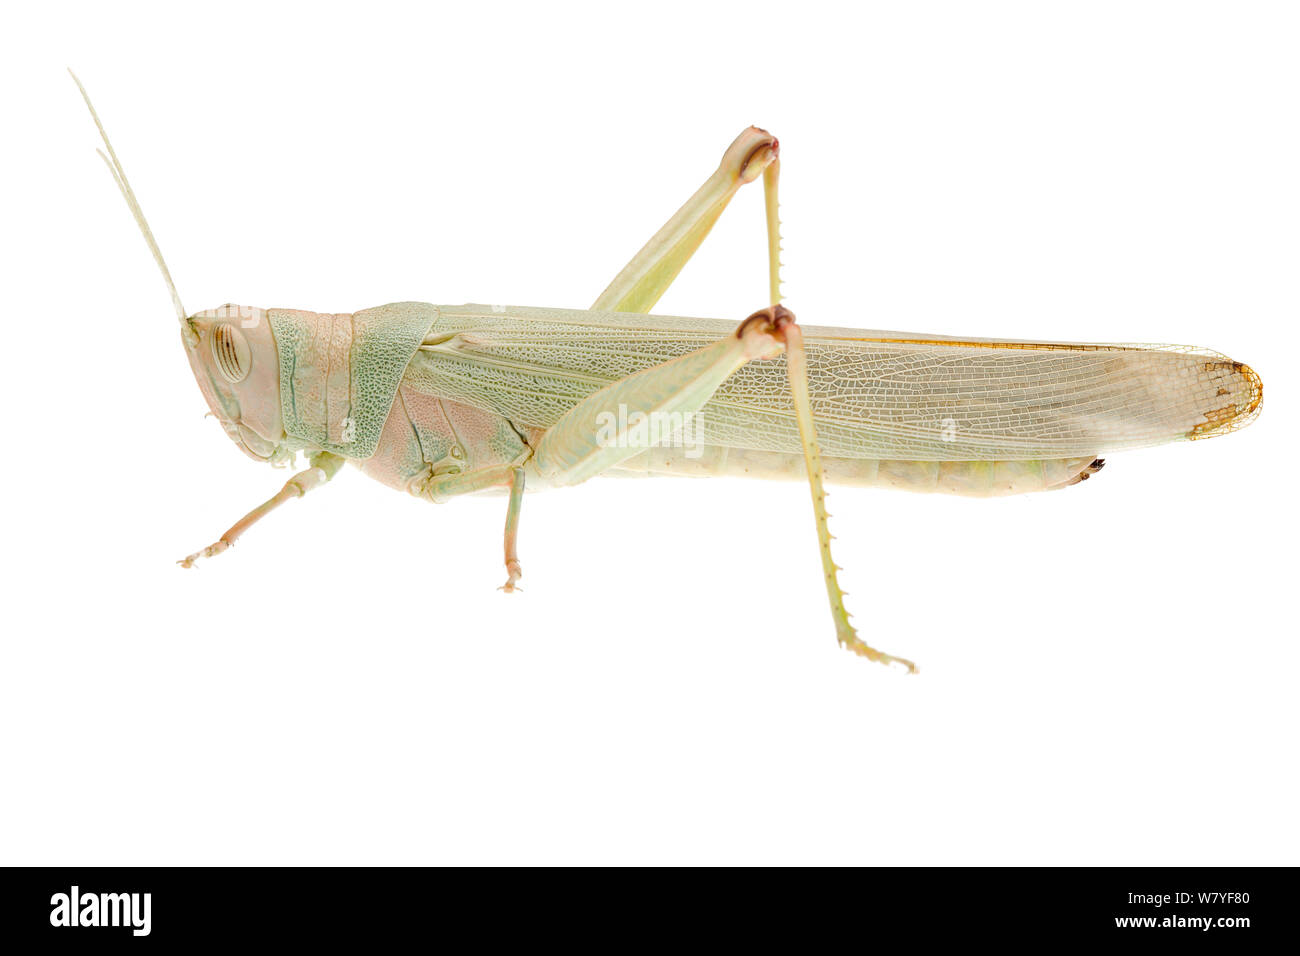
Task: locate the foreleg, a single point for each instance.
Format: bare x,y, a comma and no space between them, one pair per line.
324,466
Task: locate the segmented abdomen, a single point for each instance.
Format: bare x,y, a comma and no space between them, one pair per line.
981,479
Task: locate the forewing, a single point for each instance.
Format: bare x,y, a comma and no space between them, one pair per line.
875,394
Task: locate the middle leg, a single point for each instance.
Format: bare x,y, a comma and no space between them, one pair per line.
510,476
513,569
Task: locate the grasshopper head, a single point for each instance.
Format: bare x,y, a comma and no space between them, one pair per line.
231,349
233,355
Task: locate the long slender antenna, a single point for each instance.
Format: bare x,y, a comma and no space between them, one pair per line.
119,177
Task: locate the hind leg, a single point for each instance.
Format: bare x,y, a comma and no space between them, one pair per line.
652,270
572,450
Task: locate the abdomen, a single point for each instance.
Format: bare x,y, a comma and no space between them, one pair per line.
981,479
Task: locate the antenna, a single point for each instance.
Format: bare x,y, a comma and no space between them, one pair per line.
119,177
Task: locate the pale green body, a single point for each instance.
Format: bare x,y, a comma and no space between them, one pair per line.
425,392
441,401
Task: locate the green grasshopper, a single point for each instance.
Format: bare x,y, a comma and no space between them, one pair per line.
441,401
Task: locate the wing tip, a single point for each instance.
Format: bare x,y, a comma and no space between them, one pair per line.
1239,411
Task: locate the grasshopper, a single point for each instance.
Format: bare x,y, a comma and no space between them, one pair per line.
441,401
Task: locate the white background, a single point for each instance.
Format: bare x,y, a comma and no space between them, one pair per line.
1109,672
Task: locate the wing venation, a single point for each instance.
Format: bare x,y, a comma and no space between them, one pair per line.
880,395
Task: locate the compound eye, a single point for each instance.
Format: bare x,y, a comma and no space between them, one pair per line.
231,353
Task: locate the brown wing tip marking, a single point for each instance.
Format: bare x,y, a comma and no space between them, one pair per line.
1231,417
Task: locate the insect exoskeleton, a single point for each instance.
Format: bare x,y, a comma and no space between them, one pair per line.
237,367
443,401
